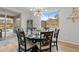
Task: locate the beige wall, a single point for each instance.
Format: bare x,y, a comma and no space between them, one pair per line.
69,31
37,21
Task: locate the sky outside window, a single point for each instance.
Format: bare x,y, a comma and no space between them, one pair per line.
46,15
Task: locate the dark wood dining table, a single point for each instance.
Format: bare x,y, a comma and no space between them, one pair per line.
35,38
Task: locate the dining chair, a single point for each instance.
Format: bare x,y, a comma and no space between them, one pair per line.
55,38
45,45
23,45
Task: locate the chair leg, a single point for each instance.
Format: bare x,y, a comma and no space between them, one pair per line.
19,48
50,49
57,46
50,46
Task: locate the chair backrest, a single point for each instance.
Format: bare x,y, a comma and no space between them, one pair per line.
56,33
22,36
47,35
21,40
48,38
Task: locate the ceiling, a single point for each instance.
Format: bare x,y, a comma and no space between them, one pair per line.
5,11
14,11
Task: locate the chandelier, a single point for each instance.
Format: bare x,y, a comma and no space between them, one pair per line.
74,15
38,10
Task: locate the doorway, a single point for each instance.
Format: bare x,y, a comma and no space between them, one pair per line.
9,21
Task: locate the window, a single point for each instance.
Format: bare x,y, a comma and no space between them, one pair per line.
51,19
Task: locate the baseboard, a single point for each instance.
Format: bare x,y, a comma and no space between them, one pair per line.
71,44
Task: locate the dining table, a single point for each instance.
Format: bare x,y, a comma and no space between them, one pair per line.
35,38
